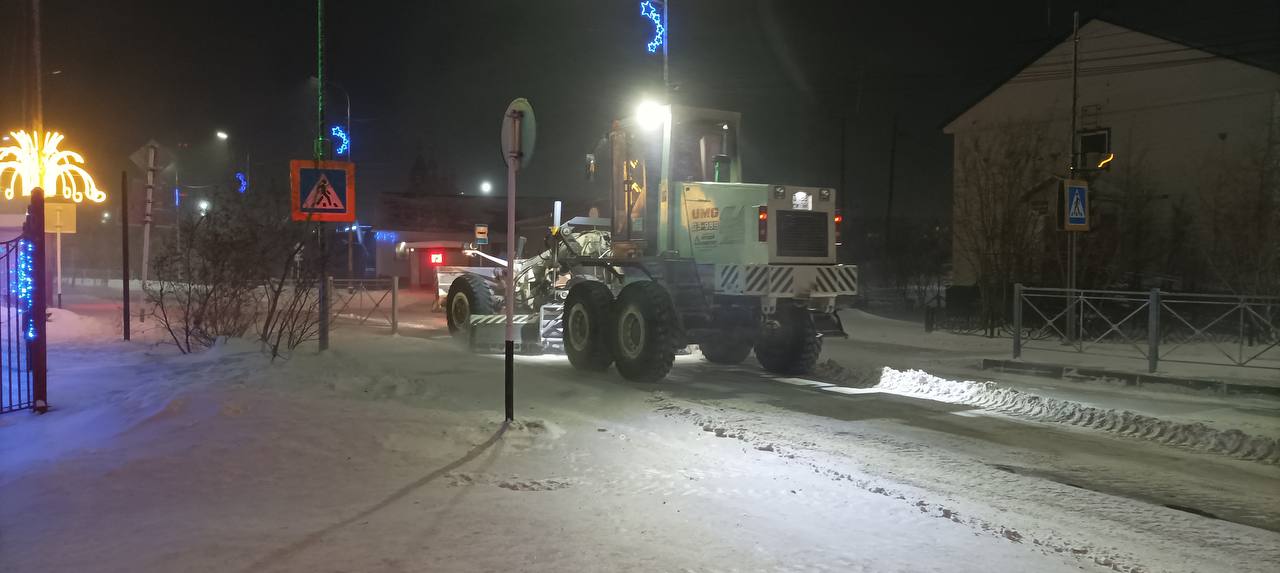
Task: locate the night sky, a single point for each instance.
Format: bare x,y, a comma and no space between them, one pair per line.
436,76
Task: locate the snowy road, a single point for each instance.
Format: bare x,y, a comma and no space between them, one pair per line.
384,455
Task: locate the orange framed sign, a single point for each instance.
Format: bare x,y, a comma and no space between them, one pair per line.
322,190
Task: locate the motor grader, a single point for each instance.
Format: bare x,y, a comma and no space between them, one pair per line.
689,255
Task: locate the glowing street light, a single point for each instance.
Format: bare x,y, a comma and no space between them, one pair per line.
222,135
486,187
203,205
35,163
651,115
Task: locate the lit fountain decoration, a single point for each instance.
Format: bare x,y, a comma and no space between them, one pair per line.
30,164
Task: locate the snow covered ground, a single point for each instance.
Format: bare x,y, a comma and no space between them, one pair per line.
387,454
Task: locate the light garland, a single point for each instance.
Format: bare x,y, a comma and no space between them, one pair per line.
26,287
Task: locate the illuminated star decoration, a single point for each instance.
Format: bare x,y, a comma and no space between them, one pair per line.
649,11
244,181
342,136
31,164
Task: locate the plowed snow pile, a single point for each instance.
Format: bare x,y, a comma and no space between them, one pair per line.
989,395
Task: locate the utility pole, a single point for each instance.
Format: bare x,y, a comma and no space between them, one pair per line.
146,219
888,209
1071,235
124,248
320,156
37,104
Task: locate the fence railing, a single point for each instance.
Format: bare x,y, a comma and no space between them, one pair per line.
1228,330
358,300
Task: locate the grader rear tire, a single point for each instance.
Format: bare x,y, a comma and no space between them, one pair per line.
792,348
644,332
587,326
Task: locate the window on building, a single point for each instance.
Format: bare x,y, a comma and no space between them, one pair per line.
1095,149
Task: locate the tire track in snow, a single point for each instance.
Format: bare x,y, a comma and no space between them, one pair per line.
989,395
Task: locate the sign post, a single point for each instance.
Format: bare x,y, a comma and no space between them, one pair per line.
126,296
63,216
322,191
1074,206
517,148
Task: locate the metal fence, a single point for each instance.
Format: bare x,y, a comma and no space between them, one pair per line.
15,366
356,301
1227,330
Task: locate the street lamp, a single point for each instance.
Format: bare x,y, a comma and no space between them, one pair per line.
222,135
486,187
203,205
652,115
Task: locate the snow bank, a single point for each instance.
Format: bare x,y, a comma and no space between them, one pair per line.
65,325
989,395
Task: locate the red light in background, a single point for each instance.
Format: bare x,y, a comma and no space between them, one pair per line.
839,218
437,258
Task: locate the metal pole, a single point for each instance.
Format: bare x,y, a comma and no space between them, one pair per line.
513,164
325,285
37,108
1153,330
1017,321
57,229
395,304
1072,331
146,217
666,41
124,248
888,209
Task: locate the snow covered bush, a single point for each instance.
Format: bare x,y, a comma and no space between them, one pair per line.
241,267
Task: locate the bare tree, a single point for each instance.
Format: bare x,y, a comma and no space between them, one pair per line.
1238,229
999,232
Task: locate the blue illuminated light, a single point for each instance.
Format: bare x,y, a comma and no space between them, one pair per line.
650,12
26,286
384,236
244,181
177,197
345,140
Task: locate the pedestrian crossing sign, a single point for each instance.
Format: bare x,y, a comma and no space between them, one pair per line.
1075,205
323,190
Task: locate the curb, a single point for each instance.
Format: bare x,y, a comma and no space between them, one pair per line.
1128,378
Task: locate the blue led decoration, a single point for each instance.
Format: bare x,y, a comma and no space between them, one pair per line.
244,181
26,286
650,12
342,136
177,197
384,236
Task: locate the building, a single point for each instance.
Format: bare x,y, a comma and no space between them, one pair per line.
1175,142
